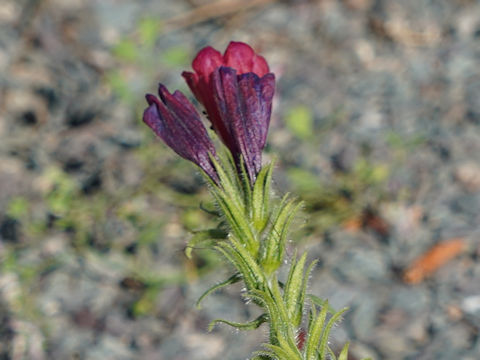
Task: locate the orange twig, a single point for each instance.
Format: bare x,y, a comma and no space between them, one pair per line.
433,259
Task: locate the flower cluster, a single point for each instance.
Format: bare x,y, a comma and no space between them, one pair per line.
236,90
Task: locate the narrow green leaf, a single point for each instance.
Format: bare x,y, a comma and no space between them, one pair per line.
291,346
293,290
286,328
231,280
247,187
260,198
331,354
314,334
236,219
263,355
326,332
252,325
244,263
267,189
270,244
213,212
321,302
204,236
237,176
344,353
281,353
276,240
301,299
250,262
285,228
231,255
278,352
229,184
265,299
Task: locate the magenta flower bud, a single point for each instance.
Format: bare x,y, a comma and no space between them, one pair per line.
236,90
174,119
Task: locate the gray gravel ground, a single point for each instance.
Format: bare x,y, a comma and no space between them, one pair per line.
392,83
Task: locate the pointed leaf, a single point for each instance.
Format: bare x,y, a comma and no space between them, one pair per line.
252,325
285,327
314,334
281,353
244,263
250,261
204,236
275,242
265,300
231,280
293,290
330,353
236,219
321,303
227,183
239,264
301,299
247,187
261,197
326,332
263,355
344,353
232,171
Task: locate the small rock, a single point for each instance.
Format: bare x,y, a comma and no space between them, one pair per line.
9,229
468,174
471,304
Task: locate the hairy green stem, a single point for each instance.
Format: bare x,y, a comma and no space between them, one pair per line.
255,243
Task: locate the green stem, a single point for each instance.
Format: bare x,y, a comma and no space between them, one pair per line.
258,227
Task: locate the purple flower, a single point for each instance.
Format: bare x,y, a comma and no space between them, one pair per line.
236,90
174,119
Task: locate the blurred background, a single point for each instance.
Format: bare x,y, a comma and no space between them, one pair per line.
376,126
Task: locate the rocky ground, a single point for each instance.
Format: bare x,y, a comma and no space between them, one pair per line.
376,127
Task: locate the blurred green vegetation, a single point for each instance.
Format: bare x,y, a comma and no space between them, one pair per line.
141,60
299,120
344,197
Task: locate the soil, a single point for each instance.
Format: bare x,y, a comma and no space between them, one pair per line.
376,126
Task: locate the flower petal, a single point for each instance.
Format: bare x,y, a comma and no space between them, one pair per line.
186,115
202,89
257,94
233,112
243,58
174,119
206,61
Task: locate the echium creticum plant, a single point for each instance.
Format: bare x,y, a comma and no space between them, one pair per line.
236,90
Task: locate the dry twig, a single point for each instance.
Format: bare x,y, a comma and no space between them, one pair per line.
211,11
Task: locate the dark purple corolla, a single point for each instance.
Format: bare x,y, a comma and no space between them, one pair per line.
174,119
236,90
